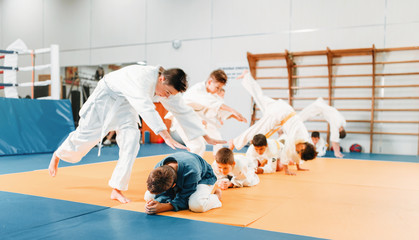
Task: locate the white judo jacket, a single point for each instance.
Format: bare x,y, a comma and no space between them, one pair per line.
272,154
330,114
241,175
137,84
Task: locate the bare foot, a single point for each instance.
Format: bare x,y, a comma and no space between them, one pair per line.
117,195
243,74
218,193
53,165
279,166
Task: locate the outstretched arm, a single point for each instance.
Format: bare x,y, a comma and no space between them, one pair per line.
170,141
213,141
235,114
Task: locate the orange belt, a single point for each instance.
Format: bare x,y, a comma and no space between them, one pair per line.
278,126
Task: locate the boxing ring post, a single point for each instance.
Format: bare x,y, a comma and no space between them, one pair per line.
55,72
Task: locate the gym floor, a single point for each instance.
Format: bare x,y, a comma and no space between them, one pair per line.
363,196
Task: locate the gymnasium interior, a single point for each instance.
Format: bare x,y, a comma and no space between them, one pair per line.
361,57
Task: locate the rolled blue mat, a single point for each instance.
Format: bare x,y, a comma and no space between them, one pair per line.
146,137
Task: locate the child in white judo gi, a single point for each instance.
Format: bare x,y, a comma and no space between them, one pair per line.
319,143
264,154
115,104
335,119
181,181
202,97
277,114
232,170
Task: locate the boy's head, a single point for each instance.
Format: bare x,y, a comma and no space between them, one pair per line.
225,160
161,179
171,82
315,137
260,143
342,132
216,81
306,150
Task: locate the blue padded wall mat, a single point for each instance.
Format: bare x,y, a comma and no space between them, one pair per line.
33,126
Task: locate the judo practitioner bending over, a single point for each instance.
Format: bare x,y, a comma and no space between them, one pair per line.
115,104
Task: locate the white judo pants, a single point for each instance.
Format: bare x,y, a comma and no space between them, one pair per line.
273,111
99,115
200,201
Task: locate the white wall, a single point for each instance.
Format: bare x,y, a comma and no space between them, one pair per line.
214,33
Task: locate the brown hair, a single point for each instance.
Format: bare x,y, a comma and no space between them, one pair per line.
309,152
219,75
315,135
176,78
224,156
342,134
259,140
161,179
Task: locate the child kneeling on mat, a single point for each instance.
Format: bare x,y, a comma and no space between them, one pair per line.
264,154
181,181
232,170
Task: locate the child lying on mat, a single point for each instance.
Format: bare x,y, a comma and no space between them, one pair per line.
181,181
263,154
232,170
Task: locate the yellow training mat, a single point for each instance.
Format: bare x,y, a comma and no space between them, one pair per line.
336,199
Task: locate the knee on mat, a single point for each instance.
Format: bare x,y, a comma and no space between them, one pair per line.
198,149
196,205
149,196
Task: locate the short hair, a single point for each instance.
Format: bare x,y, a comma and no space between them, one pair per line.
219,75
224,156
309,152
259,140
315,135
161,179
342,134
176,78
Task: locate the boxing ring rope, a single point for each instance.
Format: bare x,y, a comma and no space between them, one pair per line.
53,65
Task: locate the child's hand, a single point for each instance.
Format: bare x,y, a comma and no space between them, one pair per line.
288,172
238,116
301,169
259,170
231,144
151,207
263,162
243,74
223,184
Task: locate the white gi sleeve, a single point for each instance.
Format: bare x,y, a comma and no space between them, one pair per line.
197,95
185,115
137,86
252,157
243,176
